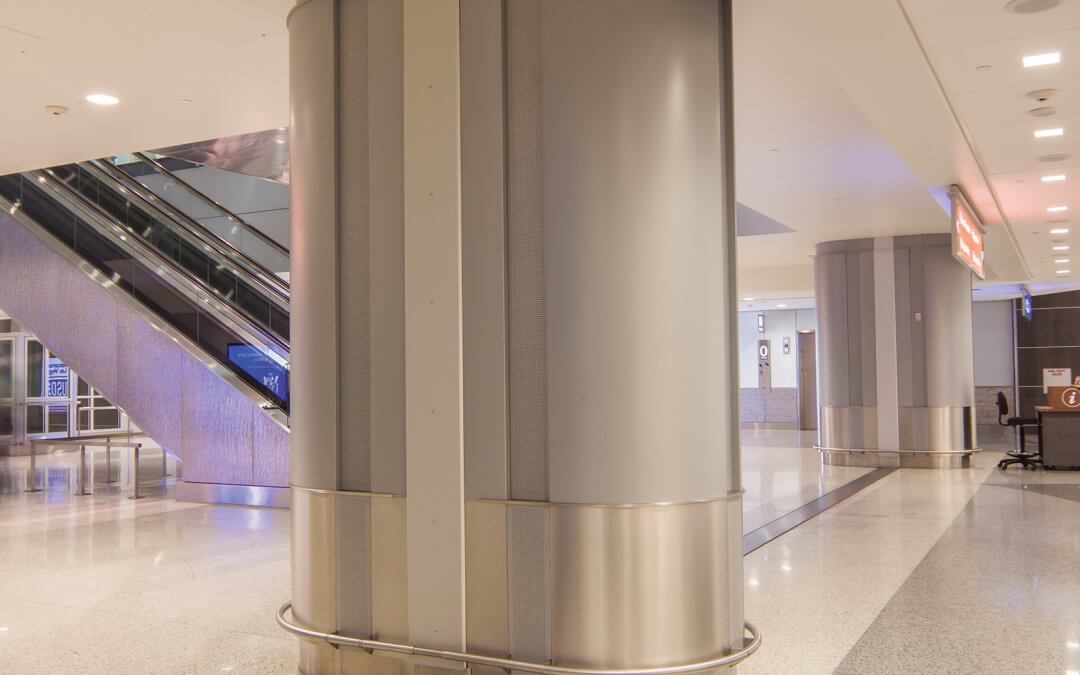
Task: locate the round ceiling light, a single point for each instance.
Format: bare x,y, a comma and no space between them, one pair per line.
102,99
1031,6
1044,111
1055,157
1042,95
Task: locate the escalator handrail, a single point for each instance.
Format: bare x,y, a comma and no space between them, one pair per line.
262,236
256,273
236,319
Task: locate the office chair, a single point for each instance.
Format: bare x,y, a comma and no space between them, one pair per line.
1029,459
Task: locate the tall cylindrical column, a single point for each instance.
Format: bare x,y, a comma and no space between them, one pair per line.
597,345
897,367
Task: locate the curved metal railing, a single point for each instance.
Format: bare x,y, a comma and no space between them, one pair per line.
749,647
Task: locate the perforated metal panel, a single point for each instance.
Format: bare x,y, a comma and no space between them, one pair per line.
528,334
530,637
528,526
353,253
354,565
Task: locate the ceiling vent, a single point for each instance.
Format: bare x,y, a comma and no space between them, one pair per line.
1042,95
1031,6
1044,111
1056,157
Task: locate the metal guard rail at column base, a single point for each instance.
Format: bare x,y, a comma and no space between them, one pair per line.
734,658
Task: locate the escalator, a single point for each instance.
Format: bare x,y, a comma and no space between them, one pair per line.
220,300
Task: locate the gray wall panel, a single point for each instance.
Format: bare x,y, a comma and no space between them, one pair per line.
867,350
830,273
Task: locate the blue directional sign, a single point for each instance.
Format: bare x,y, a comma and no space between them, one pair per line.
264,367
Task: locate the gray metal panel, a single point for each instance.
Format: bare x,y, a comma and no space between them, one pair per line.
313,380
525,189
904,355
917,285
353,565
639,349
354,375
867,354
948,331
830,293
855,292
844,246
387,245
483,250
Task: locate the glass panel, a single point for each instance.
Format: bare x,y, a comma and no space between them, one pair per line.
5,326
35,369
35,419
107,419
6,428
82,388
6,368
58,419
84,420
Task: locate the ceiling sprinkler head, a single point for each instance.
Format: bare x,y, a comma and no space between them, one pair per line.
56,110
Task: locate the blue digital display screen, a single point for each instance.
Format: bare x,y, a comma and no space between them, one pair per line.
1025,303
273,374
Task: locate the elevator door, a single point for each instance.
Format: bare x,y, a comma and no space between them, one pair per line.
807,355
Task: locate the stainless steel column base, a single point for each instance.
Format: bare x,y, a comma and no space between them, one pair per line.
903,459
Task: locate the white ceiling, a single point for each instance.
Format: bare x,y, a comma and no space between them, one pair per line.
960,36
229,57
843,129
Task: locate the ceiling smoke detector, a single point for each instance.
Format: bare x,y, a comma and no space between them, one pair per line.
1054,157
1042,95
1043,111
56,110
1031,6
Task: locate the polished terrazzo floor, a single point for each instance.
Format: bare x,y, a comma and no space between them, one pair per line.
966,571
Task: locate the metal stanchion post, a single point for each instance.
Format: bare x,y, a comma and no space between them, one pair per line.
82,471
32,480
135,468
164,464
108,461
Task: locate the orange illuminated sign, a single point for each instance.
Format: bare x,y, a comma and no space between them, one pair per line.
967,235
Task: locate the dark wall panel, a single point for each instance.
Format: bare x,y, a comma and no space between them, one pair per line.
1051,339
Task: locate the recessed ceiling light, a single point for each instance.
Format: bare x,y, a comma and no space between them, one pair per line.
1061,261
1062,247
1057,209
1055,157
185,100
1048,133
781,306
984,67
1064,272
1059,230
1056,178
747,299
1047,59
1030,6
102,99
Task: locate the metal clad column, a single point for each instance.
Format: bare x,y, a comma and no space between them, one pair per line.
914,351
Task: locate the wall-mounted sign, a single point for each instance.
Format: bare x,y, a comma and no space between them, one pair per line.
761,323
764,367
1063,398
968,238
273,374
1056,377
1025,303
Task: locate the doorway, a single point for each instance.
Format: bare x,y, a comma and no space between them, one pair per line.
806,354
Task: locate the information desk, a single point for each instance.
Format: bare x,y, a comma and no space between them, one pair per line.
1059,428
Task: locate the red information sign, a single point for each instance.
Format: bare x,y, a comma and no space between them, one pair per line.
967,235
